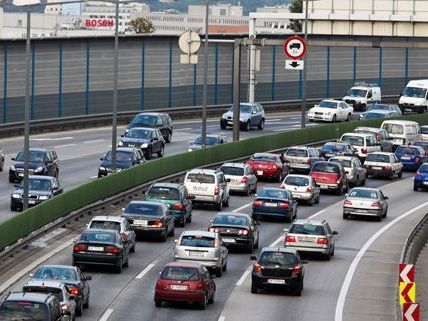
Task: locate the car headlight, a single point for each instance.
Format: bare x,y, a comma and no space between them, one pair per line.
16,195
118,170
39,169
43,197
12,167
145,145
120,143
189,150
102,168
327,114
224,116
126,130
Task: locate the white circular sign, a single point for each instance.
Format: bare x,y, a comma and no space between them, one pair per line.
295,47
189,42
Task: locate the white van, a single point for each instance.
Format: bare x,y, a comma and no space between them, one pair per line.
414,96
364,143
403,132
363,94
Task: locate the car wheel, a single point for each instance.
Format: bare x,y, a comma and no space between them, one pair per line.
13,208
86,304
345,216
126,264
227,202
119,266
132,250
220,205
168,137
254,288
158,303
332,252
333,120
250,246
225,267
223,125
164,237
204,303
189,219
400,173
415,188
182,222
211,300
256,246
11,179
339,190
318,199
261,125
327,257
161,152
348,118
298,289
148,155
219,272
172,231
384,214
248,126
379,218
79,308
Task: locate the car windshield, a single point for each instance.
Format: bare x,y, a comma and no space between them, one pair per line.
55,273
379,107
424,130
231,170
201,178
230,219
406,150
57,292
423,169
210,141
166,193
139,133
343,162
326,167
263,158
273,193
120,156
180,273
328,104
143,209
277,258
296,181
246,109
415,92
35,156
309,229
23,310
332,147
379,158
144,121
197,241
394,129
36,184
353,140
363,193
105,225
353,92
374,115
297,152
102,237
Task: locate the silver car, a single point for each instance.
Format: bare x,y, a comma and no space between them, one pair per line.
250,115
202,247
356,173
302,187
301,158
311,236
240,177
365,202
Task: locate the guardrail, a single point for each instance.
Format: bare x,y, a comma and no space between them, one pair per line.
415,242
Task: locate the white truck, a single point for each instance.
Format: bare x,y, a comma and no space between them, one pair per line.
363,94
414,96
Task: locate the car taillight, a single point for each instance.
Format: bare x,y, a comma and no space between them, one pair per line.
322,240
112,249
214,229
158,224
309,189
244,179
243,232
309,161
273,167
79,248
375,204
388,168
257,203
217,190
347,202
417,159
297,270
290,239
257,267
283,205
364,150
74,290
199,286
178,207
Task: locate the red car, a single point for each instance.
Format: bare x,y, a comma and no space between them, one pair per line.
185,282
330,176
267,165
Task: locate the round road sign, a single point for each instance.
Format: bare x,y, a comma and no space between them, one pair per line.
189,42
295,47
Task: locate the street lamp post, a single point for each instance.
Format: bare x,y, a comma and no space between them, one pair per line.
205,89
304,68
115,85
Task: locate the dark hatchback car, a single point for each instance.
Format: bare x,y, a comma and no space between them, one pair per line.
42,162
101,247
210,141
150,218
236,229
331,149
275,202
176,197
160,121
278,267
30,306
126,157
72,277
149,140
41,188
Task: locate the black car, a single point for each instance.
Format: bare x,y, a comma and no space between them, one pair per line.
331,149
236,229
72,277
42,162
275,202
149,140
160,121
278,267
150,218
101,247
31,306
41,188
126,157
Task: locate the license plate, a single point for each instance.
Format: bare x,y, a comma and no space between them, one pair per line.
362,211
31,202
271,204
405,157
306,239
259,172
275,281
140,222
324,186
193,253
226,240
330,155
377,168
179,287
96,248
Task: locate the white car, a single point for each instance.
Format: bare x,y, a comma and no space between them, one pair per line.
331,111
364,143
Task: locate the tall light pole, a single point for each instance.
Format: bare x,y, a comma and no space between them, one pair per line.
115,84
304,67
205,89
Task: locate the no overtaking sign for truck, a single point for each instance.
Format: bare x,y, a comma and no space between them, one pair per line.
295,47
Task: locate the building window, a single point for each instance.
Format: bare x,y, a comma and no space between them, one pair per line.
222,12
19,23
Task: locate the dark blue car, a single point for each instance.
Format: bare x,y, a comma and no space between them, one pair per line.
126,157
275,202
411,156
421,178
331,149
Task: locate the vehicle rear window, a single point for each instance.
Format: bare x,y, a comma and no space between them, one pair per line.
308,229
166,193
121,156
377,158
296,181
23,310
394,129
180,273
263,158
406,150
230,220
362,193
143,209
201,178
333,148
55,273
374,115
343,162
45,290
234,171
105,225
273,193
36,184
294,152
277,258
144,121
98,237
353,140
325,167
197,241
423,169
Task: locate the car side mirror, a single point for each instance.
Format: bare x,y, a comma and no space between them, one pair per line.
305,261
253,258
31,275
386,197
176,241
286,230
228,180
13,158
88,278
101,159
335,232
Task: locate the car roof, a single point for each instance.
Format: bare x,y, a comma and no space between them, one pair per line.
200,232
242,165
39,149
381,153
160,204
47,283
336,143
369,129
167,185
309,221
279,249
203,171
424,126
299,147
43,177
333,100
265,154
342,157
357,134
55,266
400,122
366,189
28,296
184,264
145,128
98,230
151,114
298,175
108,218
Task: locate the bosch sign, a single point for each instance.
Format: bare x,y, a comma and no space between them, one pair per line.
99,23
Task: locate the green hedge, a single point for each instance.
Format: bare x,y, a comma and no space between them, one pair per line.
24,223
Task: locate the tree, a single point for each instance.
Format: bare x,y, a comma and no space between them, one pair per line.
141,25
296,7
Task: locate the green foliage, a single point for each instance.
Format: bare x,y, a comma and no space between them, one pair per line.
296,7
141,25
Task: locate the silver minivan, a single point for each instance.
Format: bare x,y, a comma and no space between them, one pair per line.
202,247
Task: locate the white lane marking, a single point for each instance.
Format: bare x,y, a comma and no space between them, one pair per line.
106,315
222,318
242,207
96,176
94,141
268,121
244,276
183,129
351,271
146,270
33,265
65,145
316,214
56,139
282,129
